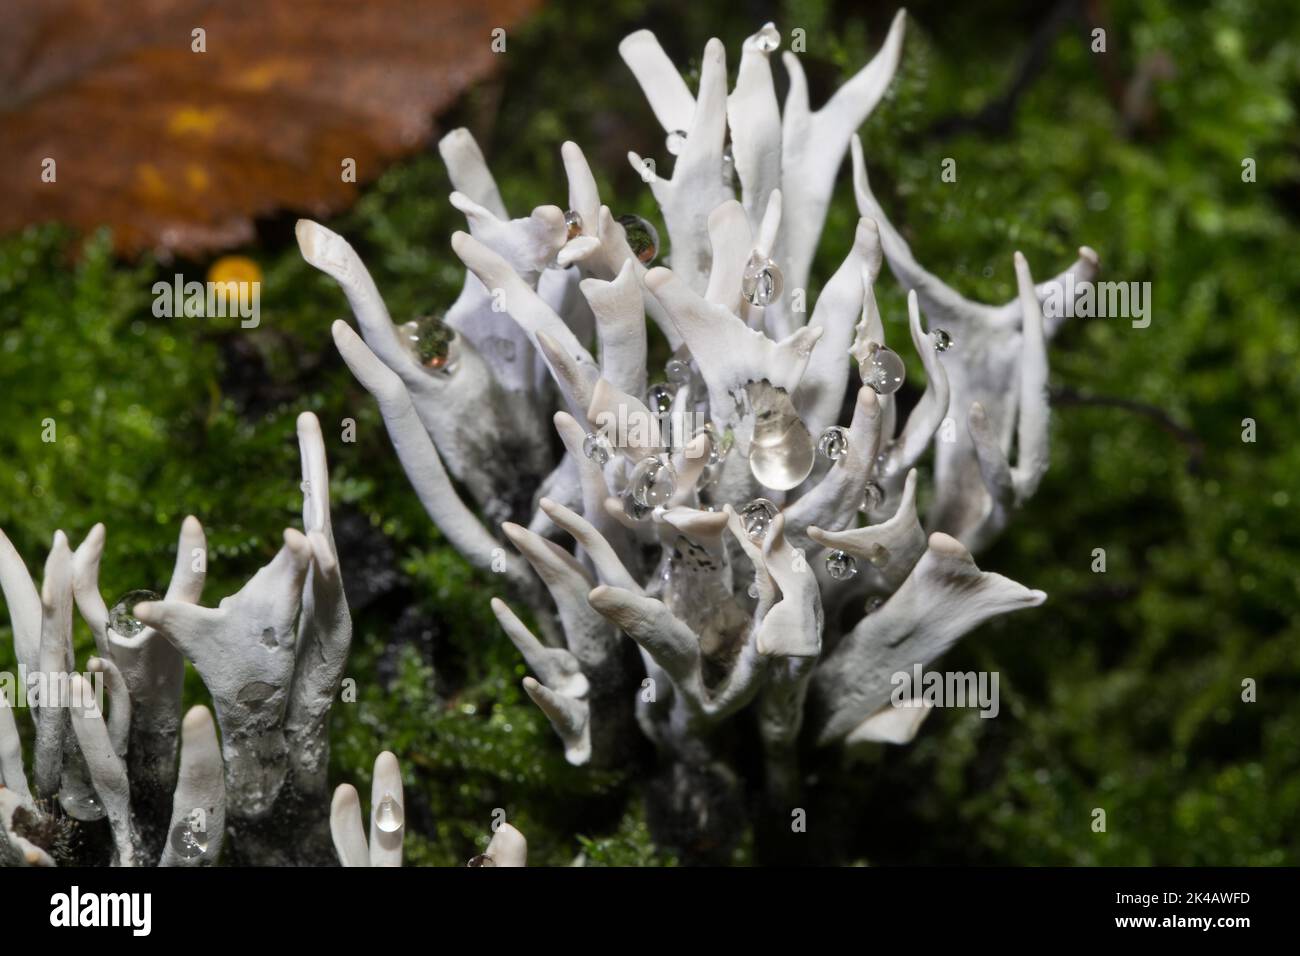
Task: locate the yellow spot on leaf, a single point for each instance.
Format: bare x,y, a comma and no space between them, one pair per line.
150,181
259,77
196,177
193,120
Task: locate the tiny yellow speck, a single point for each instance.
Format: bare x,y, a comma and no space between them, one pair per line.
150,181
194,120
235,269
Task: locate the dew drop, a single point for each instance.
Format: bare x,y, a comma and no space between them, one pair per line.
782,452
767,39
872,497
882,370
572,223
761,282
481,860
676,142
873,603
715,452
834,442
753,590
637,512
642,238
388,815
678,372
84,806
756,517
188,842
782,467
653,481
721,446
885,464
942,340
432,343
659,398
840,565
120,618
596,447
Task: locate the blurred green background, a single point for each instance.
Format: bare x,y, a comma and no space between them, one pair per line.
1123,692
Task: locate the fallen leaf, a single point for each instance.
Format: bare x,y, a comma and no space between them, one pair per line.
121,114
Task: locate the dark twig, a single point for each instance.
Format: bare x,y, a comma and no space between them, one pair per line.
1188,438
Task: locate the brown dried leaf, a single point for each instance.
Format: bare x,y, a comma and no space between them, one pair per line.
177,150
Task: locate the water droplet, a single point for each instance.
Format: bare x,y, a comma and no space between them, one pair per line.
596,447
782,467
481,860
642,238
878,555
120,618
767,39
388,815
882,370
81,805
678,372
724,447
653,481
885,464
834,442
840,565
715,453
762,281
572,223
676,142
432,343
756,517
942,340
782,451
872,497
305,487
635,511
873,603
188,842
659,398
753,590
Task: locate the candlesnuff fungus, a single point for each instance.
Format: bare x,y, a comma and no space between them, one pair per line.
388,825
695,515
271,655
